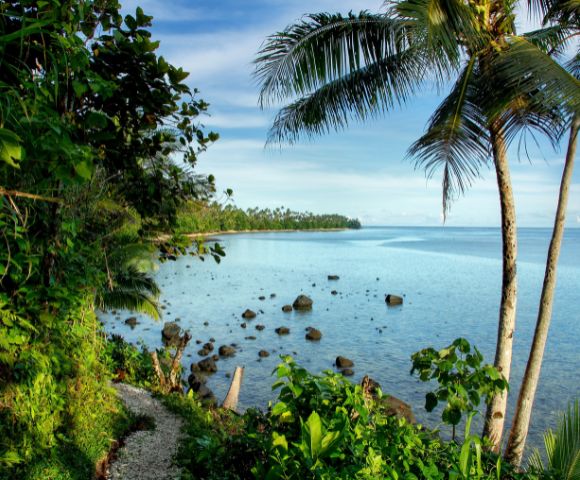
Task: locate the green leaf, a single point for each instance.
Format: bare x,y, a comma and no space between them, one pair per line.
84,169
10,149
314,428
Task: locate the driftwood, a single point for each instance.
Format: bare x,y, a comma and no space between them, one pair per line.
172,381
231,400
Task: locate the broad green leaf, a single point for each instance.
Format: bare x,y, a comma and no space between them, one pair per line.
10,149
314,428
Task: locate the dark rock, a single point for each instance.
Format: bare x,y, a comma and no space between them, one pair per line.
334,292
194,367
262,297
250,337
207,365
347,372
206,323
333,277
212,340
282,330
263,354
260,327
389,404
215,357
249,314
343,362
204,352
131,321
243,325
196,381
199,342
208,346
313,334
393,300
302,302
272,295
227,351
287,308
170,333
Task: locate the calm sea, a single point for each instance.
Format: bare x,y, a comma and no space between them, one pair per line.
450,278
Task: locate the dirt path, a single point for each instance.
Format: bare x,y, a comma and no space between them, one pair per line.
147,455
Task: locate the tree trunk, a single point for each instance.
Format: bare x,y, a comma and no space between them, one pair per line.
496,410
521,423
231,400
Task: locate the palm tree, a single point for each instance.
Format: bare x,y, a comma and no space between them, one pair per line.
554,37
562,448
341,68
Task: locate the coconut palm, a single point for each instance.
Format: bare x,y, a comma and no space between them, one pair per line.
561,23
335,69
562,448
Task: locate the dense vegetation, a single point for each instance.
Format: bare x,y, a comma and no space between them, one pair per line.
213,217
90,117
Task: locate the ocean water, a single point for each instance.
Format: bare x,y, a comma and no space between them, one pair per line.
450,278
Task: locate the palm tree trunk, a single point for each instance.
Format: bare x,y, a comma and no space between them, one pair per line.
521,423
496,410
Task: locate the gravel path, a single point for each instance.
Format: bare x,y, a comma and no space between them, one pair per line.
147,455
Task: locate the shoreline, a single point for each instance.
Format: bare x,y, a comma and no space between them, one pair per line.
194,235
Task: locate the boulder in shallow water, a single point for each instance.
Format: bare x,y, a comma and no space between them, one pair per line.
302,302
343,362
260,327
227,351
333,277
263,353
282,330
347,372
287,308
208,346
389,404
249,314
131,321
313,334
393,300
207,365
170,333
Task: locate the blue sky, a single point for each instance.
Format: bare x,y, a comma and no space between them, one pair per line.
360,172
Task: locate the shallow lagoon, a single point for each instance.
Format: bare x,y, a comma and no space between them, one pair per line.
450,278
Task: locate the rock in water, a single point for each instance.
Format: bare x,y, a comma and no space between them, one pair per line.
313,334
390,405
343,362
282,330
227,351
260,327
131,321
170,332
302,302
249,314
287,308
263,354
393,300
333,277
207,365
347,372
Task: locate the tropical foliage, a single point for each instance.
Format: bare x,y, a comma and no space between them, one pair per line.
200,217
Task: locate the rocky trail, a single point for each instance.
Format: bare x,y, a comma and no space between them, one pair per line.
147,454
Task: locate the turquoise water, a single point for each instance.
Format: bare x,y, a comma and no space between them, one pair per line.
450,277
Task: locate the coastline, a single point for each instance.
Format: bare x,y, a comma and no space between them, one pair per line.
194,235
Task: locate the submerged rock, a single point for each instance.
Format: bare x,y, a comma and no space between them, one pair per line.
333,277
393,300
131,321
302,302
287,308
347,372
282,330
263,353
249,314
207,365
343,362
227,351
260,327
313,334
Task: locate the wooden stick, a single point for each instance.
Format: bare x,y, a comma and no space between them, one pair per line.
157,369
231,400
33,196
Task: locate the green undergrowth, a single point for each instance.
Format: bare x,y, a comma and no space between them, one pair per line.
323,427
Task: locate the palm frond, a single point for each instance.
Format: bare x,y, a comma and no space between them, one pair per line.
322,48
552,40
524,68
562,447
125,299
456,138
438,25
362,94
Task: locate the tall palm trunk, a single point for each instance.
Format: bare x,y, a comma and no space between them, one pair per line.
521,423
496,410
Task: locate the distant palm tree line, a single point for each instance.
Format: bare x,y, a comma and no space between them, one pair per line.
211,217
